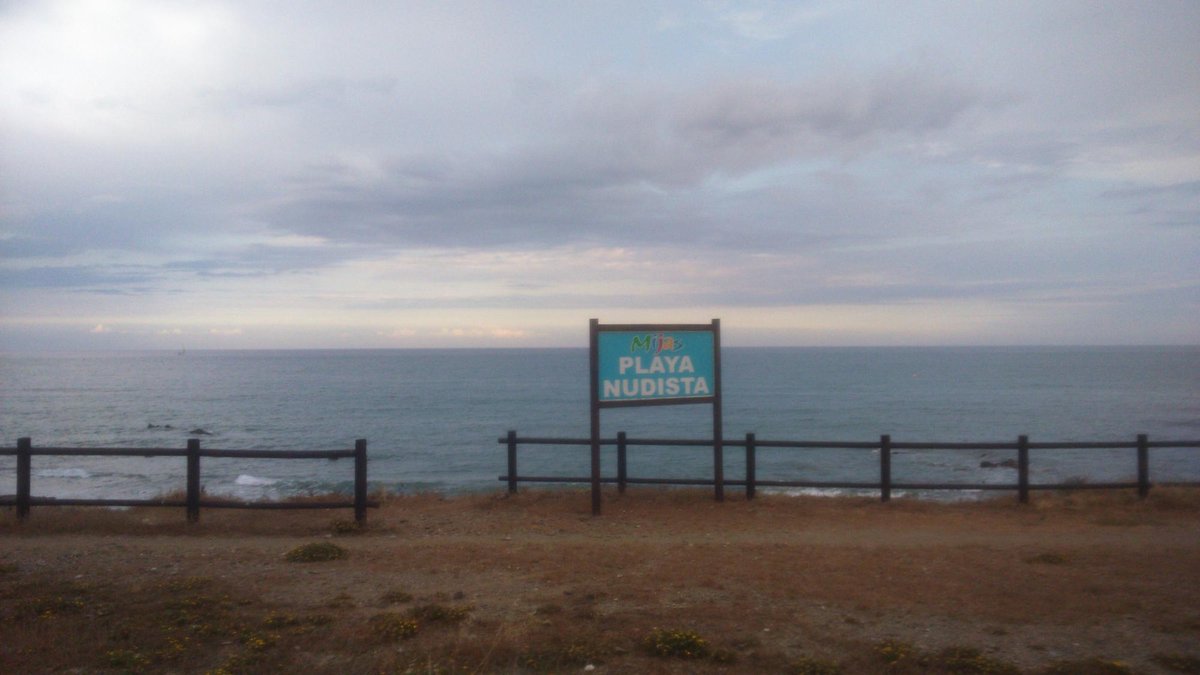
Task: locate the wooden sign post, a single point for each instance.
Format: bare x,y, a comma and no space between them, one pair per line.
655,364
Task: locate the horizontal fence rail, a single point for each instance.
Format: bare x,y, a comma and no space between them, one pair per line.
194,498
885,446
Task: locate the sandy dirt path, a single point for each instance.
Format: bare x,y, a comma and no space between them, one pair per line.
767,582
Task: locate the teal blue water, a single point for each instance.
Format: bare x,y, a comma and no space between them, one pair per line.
432,417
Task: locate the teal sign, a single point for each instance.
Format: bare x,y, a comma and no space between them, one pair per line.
656,365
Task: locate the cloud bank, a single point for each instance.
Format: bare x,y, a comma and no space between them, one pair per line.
235,174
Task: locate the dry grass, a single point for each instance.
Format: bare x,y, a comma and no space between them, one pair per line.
665,582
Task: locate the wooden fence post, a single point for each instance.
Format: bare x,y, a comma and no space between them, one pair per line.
193,480
360,481
751,467
885,468
622,467
24,468
1023,469
512,462
1143,464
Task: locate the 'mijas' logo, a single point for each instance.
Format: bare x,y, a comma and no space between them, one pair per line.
655,343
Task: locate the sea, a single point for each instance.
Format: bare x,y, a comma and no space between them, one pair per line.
433,419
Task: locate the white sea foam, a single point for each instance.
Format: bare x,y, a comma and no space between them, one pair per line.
818,492
945,496
246,479
62,473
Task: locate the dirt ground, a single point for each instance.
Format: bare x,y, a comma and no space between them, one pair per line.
534,583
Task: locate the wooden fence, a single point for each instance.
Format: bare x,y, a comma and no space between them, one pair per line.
885,445
194,498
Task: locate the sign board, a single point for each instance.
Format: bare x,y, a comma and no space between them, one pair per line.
655,367
655,364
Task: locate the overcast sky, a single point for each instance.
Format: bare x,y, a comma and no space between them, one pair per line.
404,174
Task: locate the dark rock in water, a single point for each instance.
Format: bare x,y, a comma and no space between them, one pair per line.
199,432
1003,464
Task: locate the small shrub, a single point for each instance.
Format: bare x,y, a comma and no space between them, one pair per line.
126,659
175,646
1178,662
892,652
278,620
683,644
395,597
186,584
258,642
967,661
807,665
392,626
1092,666
50,607
440,613
316,552
246,662
345,527
554,659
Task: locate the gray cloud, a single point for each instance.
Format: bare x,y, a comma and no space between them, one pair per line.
624,165
925,153
96,277
760,116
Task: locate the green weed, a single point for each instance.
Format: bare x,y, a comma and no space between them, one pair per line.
346,527
316,552
807,665
396,596
554,659
440,613
390,626
893,652
126,659
682,644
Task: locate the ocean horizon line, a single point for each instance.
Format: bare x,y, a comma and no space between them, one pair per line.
513,348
